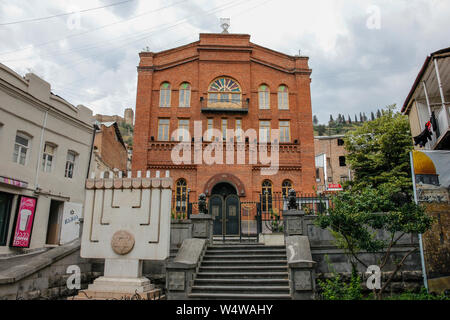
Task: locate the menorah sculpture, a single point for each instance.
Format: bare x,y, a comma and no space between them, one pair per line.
126,221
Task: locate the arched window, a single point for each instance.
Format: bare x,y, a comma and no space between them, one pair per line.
181,196
164,95
283,97
264,97
185,95
285,187
266,197
224,90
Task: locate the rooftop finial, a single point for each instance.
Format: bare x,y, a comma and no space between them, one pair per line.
225,24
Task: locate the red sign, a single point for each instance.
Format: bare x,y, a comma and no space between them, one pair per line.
334,186
24,222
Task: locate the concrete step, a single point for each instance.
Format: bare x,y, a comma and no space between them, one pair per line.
261,275
235,296
229,257
244,246
244,262
242,269
241,282
248,252
240,289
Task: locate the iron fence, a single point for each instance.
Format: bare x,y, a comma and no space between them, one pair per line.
273,204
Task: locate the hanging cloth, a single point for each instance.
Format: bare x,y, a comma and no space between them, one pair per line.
424,136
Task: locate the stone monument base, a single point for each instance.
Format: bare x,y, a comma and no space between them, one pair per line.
123,280
105,288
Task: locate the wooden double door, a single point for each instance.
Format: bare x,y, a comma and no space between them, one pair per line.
226,212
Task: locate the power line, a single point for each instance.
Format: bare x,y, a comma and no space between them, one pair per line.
65,14
91,30
138,36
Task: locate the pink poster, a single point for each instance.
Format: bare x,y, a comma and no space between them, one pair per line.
24,222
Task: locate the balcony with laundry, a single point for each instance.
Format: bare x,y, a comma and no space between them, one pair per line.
428,103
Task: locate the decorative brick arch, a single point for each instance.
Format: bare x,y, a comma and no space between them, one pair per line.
225,177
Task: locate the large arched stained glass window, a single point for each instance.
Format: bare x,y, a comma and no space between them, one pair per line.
224,90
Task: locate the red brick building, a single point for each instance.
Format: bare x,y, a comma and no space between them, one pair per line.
225,81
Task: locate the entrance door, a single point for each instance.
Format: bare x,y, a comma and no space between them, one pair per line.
225,213
216,210
232,210
54,222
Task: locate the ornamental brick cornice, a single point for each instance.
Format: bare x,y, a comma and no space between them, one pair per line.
172,166
281,167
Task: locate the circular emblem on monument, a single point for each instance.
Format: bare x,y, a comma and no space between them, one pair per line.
122,242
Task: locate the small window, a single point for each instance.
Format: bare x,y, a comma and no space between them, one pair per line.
266,196
238,130
342,161
163,130
185,95
48,157
224,128
181,196
285,132
21,148
264,131
183,130
340,142
344,179
70,164
283,97
285,187
210,125
164,95
264,97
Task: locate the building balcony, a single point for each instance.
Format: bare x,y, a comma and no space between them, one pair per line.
224,105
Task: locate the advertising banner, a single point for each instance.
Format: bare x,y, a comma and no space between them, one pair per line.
70,227
24,222
431,178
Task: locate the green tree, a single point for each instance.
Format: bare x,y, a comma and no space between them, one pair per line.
379,152
379,199
358,219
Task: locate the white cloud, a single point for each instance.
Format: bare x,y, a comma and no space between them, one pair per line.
354,69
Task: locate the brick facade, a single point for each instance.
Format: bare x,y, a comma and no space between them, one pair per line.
199,64
109,147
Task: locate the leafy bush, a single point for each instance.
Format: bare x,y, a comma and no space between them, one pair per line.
337,289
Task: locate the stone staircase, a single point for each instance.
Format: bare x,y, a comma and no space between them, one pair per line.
237,271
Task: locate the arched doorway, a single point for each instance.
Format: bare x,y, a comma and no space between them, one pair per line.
224,206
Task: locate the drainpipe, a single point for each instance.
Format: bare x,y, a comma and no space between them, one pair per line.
92,147
38,167
422,258
81,219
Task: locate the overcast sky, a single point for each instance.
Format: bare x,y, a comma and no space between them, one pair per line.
364,54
